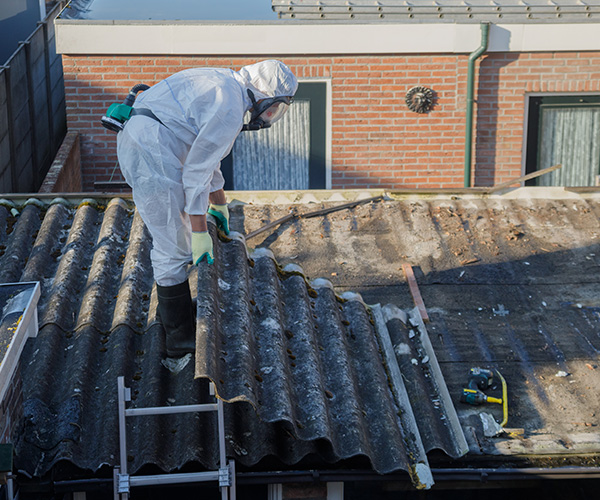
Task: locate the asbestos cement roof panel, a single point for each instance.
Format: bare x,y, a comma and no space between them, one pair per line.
510,282
304,367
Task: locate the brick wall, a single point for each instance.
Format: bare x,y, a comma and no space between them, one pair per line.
504,81
64,175
376,140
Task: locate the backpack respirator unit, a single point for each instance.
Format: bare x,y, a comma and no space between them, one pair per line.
117,114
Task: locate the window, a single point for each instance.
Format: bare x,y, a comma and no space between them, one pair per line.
564,130
289,155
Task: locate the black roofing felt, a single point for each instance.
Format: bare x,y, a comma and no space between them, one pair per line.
303,367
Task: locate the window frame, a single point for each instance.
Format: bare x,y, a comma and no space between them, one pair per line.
533,126
318,91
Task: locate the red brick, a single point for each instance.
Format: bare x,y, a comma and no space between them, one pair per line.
370,121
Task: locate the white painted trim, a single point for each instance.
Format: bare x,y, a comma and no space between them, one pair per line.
275,492
329,137
27,327
335,491
554,94
293,38
528,97
525,132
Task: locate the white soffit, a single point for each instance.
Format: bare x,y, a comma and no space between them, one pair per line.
186,38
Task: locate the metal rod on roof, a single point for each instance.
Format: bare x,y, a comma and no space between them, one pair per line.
485,31
308,215
350,204
270,225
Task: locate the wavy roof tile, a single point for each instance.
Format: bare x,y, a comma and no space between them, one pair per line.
310,375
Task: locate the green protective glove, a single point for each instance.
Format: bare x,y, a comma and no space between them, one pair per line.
221,213
202,246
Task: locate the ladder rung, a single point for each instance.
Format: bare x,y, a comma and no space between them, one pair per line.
192,477
168,410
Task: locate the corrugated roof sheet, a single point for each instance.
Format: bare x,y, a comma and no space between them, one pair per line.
308,360
446,11
510,282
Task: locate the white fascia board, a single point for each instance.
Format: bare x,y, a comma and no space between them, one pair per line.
544,37
261,39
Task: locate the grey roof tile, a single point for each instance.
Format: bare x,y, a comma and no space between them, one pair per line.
402,11
301,365
533,251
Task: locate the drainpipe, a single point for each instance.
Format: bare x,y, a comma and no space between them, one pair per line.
485,31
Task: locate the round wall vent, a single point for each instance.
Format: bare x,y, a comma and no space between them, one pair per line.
419,99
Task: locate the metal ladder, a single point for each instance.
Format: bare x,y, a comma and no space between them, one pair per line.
123,482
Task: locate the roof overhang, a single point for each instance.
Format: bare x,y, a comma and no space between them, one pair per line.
291,38
309,196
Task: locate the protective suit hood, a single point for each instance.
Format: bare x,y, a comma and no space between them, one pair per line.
269,78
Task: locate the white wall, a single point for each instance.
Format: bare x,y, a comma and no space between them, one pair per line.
292,38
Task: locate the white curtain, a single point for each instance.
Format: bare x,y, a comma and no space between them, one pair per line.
277,157
570,137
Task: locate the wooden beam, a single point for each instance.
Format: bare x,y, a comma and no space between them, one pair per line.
524,178
414,291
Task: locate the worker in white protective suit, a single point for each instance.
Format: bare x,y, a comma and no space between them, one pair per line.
170,153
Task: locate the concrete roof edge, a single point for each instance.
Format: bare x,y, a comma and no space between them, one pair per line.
338,195
293,39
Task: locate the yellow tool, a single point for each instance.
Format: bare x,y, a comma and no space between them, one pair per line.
480,380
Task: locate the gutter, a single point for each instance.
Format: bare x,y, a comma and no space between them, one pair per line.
477,475
472,475
485,31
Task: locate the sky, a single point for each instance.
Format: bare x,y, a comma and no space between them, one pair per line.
209,10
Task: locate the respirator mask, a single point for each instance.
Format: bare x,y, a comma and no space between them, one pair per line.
266,112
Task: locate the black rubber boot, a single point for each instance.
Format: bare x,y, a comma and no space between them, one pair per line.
178,317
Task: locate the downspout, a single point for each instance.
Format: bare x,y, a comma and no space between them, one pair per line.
485,31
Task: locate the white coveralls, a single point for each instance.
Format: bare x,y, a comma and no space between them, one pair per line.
172,168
